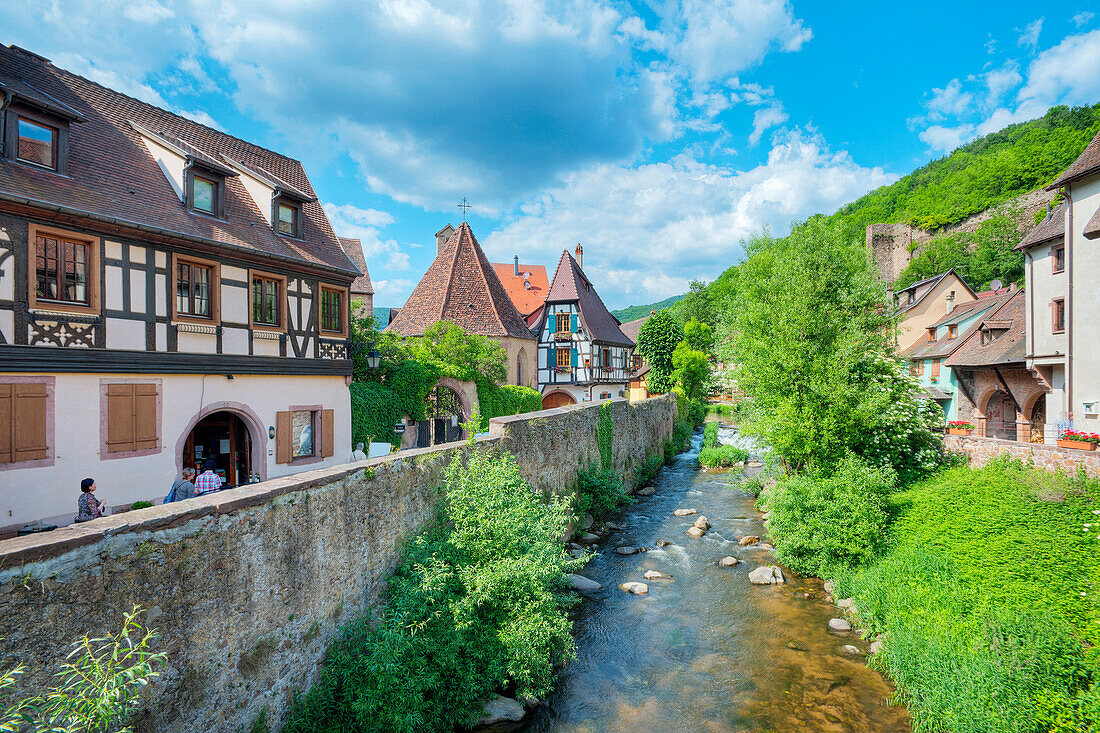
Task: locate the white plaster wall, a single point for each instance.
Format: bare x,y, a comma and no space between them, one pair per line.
171,164
200,343
1044,287
265,347
125,334
1085,307
234,304
7,271
137,291
234,341
112,287
260,192
1056,404
50,493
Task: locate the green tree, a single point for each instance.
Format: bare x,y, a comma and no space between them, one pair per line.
691,371
657,339
699,336
698,304
459,353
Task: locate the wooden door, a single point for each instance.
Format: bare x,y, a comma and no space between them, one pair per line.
557,399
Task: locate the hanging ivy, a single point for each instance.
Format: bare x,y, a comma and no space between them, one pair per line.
605,429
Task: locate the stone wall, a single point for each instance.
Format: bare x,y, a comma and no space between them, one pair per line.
248,587
981,451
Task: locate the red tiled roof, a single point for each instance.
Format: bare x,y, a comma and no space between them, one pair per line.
631,329
1087,163
354,249
925,349
1006,348
461,287
112,176
571,284
526,299
1052,226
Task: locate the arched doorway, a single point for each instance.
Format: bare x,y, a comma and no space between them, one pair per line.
1038,419
520,358
444,418
557,399
1000,413
223,437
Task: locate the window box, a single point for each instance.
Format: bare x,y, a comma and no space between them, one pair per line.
1078,440
563,369
959,431
563,336
1076,444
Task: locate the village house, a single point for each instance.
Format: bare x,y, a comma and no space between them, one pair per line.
924,303
169,295
639,367
1003,398
361,291
583,355
1061,269
928,355
526,285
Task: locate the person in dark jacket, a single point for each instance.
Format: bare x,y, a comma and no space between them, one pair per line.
182,487
87,506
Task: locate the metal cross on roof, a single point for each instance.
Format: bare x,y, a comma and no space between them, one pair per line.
465,206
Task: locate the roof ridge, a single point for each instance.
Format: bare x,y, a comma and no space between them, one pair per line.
457,236
479,256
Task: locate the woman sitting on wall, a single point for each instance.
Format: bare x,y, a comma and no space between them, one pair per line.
87,506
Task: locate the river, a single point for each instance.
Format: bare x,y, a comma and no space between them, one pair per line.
708,651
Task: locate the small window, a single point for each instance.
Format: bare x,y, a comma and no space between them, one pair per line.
1058,257
266,301
562,322
332,312
935,369
193,289
920,367
1058,315
911,296
301,435
637,361
952,331
931,334
563,358
606,358
288,220
61,270
37,144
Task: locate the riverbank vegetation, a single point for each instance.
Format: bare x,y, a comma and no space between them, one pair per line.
474,608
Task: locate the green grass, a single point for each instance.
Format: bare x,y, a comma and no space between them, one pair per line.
988,595
722,456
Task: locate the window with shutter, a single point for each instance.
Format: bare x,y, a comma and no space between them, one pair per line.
283,429
24,434
573,322
327,431
133,418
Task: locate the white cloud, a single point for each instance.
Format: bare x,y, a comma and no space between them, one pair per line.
147,12
392,293
1029,36
366,225
765,118
1065,74
1082,18
649,229
1000,81
951,100
945,139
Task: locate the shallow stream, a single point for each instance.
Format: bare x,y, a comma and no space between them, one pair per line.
707,650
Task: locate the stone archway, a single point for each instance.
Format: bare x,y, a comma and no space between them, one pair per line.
252,423
1000,416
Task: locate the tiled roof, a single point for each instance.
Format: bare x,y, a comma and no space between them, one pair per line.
932,393
1087,163
571,284
631,328
1052,226
527,293
354,249
923,288
462,287
1092,226
941,347
1006,348
113,178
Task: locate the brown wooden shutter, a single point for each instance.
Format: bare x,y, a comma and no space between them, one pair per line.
327,447
23,422
283,429
120,417
7,414
145,416
935,369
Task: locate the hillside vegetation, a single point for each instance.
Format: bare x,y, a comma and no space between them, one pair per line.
635,312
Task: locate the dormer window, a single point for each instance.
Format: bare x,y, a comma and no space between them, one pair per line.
931,334
36,144
952,331
287,218
206,192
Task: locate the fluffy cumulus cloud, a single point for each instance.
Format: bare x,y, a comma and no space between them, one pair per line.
650,229
366,225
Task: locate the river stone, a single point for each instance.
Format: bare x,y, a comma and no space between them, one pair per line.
839,626
582,584
656,575
829,587
766,546
728,561
798,646
876,646
696,532
767,575
851,650
612,525
663,543
748,540
587,522
846,604
646,491
638,589
626,550
578,553
755,464
701,523
590,539
501,710
685,512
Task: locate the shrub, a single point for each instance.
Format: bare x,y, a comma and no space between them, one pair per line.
599,492
710,435
722,456
648,469
140,505
752,486
473,608
820,522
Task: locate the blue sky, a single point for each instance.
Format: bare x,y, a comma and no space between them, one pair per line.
658,134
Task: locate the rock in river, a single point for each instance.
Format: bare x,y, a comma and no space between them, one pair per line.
646,491
839,626
582,584
728,562
663,543
685,512
501,710
748,540
590,539
638,589
625,550
612,526
767,575
851,650
656,575
701,523
587,521
696,532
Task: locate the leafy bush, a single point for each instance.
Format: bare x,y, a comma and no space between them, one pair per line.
722,456
599,492
648,470
820,522
657,339
987,597
605,436
473,608
710,435
140,505
752,486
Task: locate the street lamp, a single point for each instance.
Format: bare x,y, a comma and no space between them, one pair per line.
373,357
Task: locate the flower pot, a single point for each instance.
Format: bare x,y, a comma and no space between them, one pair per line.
1076,444
959,431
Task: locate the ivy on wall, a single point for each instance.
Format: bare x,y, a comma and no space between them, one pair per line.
605,429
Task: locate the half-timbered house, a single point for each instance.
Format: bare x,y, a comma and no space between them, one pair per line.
169,295
583,354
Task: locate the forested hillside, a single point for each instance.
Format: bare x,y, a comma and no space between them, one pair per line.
637,311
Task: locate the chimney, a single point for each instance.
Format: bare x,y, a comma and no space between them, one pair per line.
1012,287
515,267
951,301
579,253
